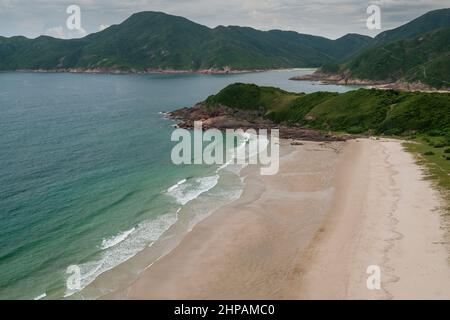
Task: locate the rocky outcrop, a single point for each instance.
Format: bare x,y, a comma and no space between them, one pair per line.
345,79
223,117
337,78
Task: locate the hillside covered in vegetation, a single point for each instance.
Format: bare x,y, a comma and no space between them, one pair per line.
158,41
361,111
425,59
417,52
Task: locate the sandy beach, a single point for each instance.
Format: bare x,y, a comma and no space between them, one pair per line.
384,214
312,231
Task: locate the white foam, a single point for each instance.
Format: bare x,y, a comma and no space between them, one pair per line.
174,187
40,297
125,245
111,242
224,166
251,145
189,190
145,233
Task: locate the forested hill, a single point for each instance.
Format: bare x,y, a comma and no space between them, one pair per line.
154,40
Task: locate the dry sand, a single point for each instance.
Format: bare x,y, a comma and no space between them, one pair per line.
311,231
384,214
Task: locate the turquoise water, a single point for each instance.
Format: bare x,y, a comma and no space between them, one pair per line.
85,170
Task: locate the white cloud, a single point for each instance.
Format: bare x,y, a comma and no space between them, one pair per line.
331,18
64,33
56,32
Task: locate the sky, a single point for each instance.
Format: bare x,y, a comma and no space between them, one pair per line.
328,18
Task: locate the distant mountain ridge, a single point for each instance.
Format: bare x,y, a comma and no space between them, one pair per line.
424,59
416,53
154,41
428,22
157,41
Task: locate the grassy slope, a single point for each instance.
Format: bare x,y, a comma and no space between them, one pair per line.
428,22
422,118
425,59
359,111
253,97
436,160
416,51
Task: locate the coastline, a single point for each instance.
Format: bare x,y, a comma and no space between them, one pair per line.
223,117
211,71
226,256
326,78
311,231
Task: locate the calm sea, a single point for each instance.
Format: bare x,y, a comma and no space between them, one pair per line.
85,172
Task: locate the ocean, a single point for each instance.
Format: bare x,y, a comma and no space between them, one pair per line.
86,177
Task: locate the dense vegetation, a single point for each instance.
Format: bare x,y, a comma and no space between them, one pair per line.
418,51
421,118
426,23
252,97
373,111
425,59
154,40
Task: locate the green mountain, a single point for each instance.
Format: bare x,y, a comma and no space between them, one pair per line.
363,110
425,59
418,51
430,21
154,40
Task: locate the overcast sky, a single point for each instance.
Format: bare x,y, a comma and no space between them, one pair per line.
329,18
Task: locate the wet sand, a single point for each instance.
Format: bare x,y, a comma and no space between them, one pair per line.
311,232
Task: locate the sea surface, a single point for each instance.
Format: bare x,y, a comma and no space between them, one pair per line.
86,177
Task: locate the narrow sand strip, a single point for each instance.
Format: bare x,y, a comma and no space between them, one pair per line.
311,231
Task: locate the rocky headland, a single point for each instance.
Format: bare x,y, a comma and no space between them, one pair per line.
223,117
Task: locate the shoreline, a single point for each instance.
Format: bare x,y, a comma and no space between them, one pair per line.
223,117
336,79
220,257
188,215
211,71
276,242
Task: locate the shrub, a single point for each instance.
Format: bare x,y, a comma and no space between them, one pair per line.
429,153
330,68
393,132
356,130
447,150
447,138
435,133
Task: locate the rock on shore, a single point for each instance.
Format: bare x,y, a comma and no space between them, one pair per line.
223,117
343,79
